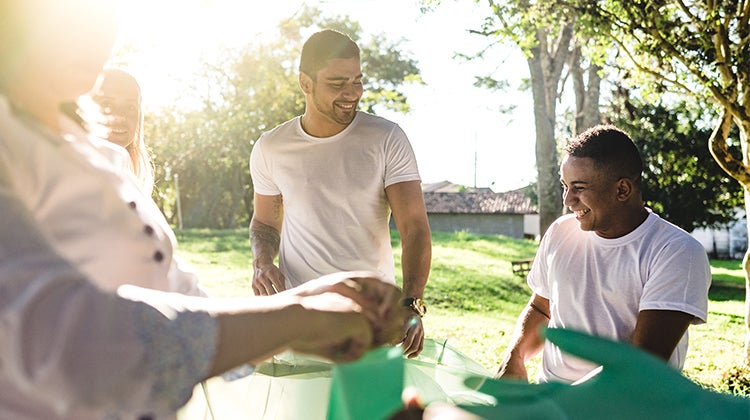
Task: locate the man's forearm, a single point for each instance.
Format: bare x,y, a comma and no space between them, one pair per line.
527,340
416,257
264,242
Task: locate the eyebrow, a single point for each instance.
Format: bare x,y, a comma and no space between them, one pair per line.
574,183
343,78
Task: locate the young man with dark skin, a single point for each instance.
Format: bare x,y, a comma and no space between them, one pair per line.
610,268
325,184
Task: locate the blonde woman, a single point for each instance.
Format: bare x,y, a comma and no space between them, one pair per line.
119,119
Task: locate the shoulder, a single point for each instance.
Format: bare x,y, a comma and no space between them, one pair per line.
279,131
561,229
370,121
672,236
565,222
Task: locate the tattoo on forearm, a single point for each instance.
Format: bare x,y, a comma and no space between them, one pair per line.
264,240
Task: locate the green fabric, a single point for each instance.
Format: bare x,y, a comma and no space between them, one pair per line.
293,386
439,372
631,385
369,388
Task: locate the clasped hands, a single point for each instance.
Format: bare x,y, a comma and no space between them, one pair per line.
361,310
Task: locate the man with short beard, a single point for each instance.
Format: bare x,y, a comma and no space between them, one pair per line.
325,184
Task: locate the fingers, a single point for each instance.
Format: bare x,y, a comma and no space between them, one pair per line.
391,329
413,341
350,338
268,280
379,299
376,298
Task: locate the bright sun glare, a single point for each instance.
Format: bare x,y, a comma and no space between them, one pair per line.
171,36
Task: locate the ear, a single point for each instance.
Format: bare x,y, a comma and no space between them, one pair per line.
305,83
625,189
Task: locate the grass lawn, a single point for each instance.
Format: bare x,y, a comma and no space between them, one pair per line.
474,298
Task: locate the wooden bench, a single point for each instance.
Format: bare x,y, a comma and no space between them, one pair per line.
521,267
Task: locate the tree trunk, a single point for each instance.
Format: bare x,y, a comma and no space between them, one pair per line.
739,171
744,127
545,67
586,92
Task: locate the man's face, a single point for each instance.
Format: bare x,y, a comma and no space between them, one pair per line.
592,196
337,90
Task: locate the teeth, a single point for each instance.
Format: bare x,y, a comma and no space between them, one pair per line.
581,213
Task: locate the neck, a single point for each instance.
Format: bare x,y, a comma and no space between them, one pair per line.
318,127
636,217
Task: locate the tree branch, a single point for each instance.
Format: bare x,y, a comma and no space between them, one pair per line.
717,144
697,22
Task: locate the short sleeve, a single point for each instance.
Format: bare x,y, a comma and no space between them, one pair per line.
679,280
537,277
401,163
261,170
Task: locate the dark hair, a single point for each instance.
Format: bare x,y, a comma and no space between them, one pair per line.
324,46
610,148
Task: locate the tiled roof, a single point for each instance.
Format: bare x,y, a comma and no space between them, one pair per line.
477,201
449,187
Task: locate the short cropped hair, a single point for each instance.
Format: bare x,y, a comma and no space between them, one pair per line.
324,46
610,148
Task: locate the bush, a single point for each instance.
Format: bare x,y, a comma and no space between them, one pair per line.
736,381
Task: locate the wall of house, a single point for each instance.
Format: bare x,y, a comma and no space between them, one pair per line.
727,243
511,225
531,226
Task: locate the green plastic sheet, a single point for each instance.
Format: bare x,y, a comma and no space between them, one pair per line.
369,388
294,386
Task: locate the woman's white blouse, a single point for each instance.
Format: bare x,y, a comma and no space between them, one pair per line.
74,227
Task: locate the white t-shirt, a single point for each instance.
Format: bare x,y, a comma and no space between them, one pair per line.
599,285
74,230
336,212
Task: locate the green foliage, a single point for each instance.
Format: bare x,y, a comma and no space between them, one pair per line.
206,140
736,381
678,167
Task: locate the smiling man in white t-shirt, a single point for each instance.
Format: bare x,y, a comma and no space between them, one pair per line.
611,267
326,183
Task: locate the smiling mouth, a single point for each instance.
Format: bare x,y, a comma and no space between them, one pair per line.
581,213
346,106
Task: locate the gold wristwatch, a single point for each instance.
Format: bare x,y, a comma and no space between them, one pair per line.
415,304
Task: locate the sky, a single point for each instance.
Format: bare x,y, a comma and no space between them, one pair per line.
456,130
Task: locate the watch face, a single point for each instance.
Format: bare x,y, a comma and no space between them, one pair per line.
417,305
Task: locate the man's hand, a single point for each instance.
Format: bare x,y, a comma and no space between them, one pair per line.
268,280
337,328
513,368
378,299
413,341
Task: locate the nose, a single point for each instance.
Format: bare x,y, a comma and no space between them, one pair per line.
568,197
352,91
